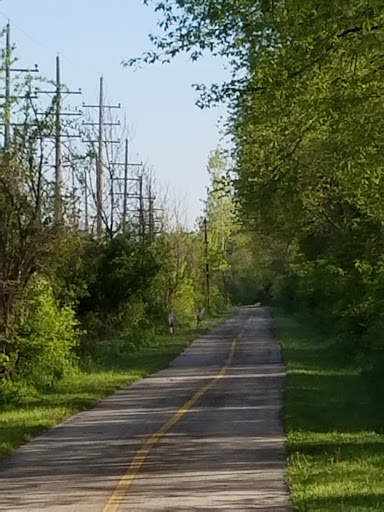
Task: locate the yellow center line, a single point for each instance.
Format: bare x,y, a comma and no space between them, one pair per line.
122,487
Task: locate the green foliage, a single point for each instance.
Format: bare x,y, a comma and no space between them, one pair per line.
307,117
241,262
45,337
184,302
117,274
27,235
180,282
69,269
119,268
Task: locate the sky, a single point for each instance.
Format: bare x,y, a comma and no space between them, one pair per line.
170,133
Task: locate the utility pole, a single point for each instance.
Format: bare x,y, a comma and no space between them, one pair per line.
58,153
151,212
126,179
7,106
8,70
100,143
151,199
207,276
141,212
125,199
86,201
58,104
152,219
112,203
99,161
141,208
58,208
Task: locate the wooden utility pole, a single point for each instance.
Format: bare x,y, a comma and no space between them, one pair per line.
58,152
7,105
207,276
86,201
99,161
151,219
125,198
141,208
58,114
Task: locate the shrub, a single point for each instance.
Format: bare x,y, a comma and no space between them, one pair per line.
46,335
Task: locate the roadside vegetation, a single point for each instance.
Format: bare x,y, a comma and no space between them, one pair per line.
334,421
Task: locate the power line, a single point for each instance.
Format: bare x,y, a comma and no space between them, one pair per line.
100,143
46,47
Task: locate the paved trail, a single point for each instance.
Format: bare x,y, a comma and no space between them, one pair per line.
203,435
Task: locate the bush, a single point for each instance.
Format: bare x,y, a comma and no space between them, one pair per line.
46,336
127,330
117,352
11,391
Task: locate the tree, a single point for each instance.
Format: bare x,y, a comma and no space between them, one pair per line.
27,234
306,115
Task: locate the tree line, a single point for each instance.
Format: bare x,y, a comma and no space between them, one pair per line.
305,103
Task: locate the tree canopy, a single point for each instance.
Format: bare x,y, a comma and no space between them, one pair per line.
306,117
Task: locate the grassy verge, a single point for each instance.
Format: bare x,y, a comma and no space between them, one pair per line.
23,420
334,426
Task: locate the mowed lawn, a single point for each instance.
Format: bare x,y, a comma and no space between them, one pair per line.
334,425
33,413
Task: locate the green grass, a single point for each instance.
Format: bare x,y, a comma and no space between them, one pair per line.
34,413
334,426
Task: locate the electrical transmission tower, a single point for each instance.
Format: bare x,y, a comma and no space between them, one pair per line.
100,141
126,179
58,94
8,97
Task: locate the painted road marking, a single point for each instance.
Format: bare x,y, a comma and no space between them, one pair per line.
122,487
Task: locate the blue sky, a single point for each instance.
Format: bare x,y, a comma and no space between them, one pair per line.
92,36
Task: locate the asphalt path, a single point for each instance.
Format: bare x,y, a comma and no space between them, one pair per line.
203,435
